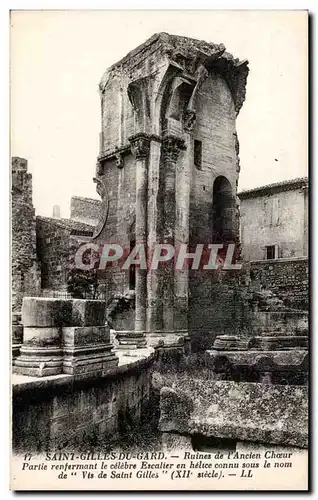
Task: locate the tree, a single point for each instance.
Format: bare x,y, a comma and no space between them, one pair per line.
82,284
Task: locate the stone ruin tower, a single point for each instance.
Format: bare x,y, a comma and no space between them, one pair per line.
25,268
168,169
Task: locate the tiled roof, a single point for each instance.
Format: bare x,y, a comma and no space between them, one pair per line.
278,187
72,225
88,200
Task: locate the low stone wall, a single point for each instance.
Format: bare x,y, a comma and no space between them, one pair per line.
67,412
286,278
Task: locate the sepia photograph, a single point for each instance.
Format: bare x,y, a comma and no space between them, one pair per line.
159,250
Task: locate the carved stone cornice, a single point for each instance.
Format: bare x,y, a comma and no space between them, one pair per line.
140,145
189,119
172,146
120,160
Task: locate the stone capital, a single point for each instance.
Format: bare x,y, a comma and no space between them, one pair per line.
119,160
189,119
172,146
140,146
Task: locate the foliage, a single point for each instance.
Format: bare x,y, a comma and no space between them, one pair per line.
82,284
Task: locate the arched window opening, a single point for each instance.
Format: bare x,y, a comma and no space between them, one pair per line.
223,210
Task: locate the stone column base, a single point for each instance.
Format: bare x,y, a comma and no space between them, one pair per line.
168,338
89,359
130,339
16,335
15,349
87,349
38,361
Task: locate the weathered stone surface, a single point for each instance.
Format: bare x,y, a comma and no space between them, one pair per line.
293,360
227,342
173,442
57,242
245,411
66,412
88,312
85,210
85,335
131,339
38,361
66,335
290,322
280,342
176,408
25,267
17,334
42,336
62,312
286,278
168,339
96,359
87,349
267,342
46,312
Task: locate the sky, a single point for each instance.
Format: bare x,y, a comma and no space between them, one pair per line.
59,57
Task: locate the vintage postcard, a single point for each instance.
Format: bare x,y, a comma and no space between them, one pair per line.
159,228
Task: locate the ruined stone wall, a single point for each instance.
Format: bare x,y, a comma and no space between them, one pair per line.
215,128
55,248
119,228
288,279
85,210
53,252
279,219
25,268
217,306
211,303
80,411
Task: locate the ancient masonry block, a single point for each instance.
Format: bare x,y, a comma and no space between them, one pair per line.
17,334
230,410
64,336
87,349
269,359
131,339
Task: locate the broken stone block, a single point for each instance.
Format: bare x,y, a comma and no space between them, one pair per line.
175,410
249,412
175,442
130,339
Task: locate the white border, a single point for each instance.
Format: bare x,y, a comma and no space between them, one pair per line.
4,182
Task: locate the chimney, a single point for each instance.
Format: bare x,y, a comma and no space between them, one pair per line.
56,212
